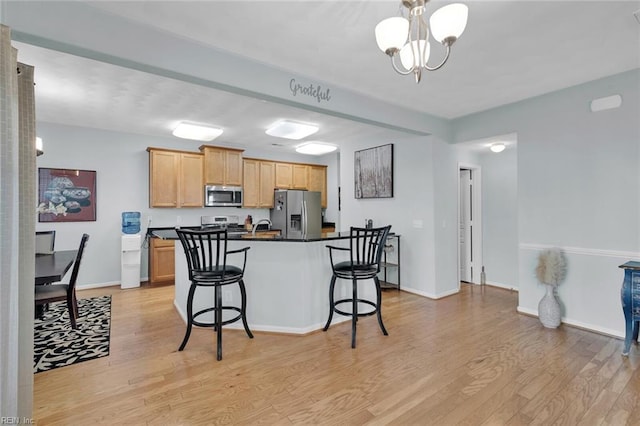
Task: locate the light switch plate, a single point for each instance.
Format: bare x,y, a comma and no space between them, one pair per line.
417,223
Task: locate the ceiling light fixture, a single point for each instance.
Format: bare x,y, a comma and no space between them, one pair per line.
291,129
497,147
196,132
315,148
39,147
446,26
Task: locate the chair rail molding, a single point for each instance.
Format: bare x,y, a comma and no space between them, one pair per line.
582,250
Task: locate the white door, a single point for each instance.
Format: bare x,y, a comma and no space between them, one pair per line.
466,225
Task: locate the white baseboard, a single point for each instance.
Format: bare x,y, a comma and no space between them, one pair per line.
430,295
578,324
97,285
501,285
105,284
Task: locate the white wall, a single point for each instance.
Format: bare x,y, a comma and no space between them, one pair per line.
578,187
122,184
500,217
445,220
410,212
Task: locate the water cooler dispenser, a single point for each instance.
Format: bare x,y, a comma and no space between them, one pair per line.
131,250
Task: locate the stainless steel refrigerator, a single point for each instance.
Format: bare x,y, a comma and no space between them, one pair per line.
298,214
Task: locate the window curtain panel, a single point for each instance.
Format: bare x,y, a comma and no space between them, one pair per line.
17,227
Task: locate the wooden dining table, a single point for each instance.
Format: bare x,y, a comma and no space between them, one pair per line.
51,268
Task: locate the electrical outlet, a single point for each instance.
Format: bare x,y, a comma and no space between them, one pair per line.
179,220
226,296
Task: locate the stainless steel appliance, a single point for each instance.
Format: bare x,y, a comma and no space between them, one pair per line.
222,196
230,223
297,213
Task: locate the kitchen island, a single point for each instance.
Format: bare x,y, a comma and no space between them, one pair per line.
287,281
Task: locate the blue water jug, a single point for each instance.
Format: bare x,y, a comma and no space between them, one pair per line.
130,222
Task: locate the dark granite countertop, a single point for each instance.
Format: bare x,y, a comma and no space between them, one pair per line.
169,233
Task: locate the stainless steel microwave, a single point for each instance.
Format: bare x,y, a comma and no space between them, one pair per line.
222,196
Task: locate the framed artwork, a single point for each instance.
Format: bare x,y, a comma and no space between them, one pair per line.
66,195
373,172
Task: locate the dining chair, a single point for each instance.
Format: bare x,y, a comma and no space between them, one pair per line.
206,252
365,250
60,292
45,242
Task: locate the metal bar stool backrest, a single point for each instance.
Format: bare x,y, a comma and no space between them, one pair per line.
366,246
206,251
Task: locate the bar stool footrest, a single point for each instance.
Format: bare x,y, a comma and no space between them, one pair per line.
360,314
214,324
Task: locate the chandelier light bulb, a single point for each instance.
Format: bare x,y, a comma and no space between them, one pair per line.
409,57
449,22
391,33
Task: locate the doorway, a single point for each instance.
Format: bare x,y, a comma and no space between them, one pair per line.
470,224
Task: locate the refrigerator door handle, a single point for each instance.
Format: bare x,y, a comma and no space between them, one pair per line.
304,217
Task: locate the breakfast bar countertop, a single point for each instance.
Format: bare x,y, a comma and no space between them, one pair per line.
169,233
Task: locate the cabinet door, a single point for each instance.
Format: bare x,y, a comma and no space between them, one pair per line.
233,168
300,176
191,186
222,166
267,183
163,178
214,166
318,182
251,187
162,261
284,175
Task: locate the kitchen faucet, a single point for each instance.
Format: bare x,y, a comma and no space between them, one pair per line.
255,225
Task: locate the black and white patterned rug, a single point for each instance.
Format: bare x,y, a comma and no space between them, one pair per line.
56,344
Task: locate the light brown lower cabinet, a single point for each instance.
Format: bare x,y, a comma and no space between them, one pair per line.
161,261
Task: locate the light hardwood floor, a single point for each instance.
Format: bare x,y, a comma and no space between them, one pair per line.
466,359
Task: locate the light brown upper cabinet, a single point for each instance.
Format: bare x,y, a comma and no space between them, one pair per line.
267,183
175,178
292,176
222,166
300,176
284,175
318,182
259,182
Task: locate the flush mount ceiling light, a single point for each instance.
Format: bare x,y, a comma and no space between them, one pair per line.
497,147
39,147
291,129
196,132
408,38
315,148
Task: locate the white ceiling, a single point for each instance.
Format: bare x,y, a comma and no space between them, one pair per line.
511,50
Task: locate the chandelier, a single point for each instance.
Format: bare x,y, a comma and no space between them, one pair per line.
408,38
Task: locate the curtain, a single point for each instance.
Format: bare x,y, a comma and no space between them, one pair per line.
17,228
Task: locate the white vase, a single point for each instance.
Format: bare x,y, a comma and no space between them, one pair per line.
549,309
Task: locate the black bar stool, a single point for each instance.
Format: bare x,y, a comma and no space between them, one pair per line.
206,252
365,247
